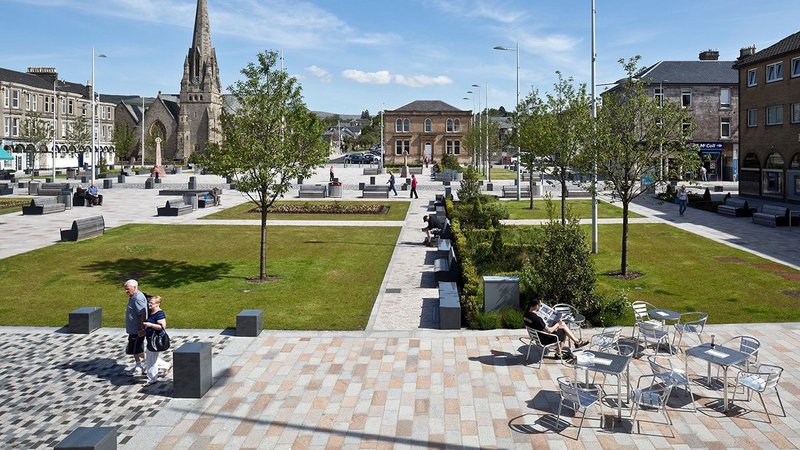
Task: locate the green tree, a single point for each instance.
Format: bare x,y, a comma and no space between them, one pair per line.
269,142
124,141
365,114
79,135
37,130
634,132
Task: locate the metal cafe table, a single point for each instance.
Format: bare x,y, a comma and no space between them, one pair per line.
609,364
721,356
663,314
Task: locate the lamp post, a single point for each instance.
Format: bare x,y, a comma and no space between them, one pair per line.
55,84
487,159
94,114
594,117
519,153
480,122
383,154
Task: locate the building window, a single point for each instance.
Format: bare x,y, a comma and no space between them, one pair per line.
406,125
774,72
14,126
28,102
658,94
453,147
725,97
752,77
84,107
686,128
63,105
457,146
15,98
63,129
398,125
47,100
795,112
7,126
752,117
70,106
401,146
725,128
686,98
428,125
449,126
6,98
34,102
795,67
775,115
457,126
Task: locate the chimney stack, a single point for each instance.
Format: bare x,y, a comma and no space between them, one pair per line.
747,51
48,73
709,55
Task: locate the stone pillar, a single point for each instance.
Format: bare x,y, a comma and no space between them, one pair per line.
158,152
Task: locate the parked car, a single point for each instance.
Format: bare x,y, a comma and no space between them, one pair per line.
356,158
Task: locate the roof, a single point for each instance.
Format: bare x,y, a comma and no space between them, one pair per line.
690,72
37,81
788,44
427,106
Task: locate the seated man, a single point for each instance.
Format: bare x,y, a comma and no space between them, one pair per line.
430,228
534,320
92,196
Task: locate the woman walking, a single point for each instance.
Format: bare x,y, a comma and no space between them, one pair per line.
683,199
155,323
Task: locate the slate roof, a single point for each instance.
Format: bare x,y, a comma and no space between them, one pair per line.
427,106
690,72
788,44
29,79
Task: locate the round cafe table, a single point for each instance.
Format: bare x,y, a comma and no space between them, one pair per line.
663,314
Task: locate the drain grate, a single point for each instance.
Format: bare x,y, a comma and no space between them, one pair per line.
392,290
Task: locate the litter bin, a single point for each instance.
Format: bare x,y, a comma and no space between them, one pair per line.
537,190
335,190
33,187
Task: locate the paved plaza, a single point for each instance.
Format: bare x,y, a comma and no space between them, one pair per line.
401,383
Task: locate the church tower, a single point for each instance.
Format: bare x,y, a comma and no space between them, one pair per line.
200,98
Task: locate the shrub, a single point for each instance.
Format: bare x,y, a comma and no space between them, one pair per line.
512,319
470,190
450,162
608,311
472,292
487,321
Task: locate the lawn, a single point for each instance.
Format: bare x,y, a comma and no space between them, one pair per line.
581,208
397,211
327,277
502,174
12,205
685,272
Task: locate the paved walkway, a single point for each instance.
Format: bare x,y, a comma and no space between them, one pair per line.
401,383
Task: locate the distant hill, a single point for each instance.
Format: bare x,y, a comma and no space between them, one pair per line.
323,114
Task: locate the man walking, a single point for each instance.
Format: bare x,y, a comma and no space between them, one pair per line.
414,186
391,184
134,320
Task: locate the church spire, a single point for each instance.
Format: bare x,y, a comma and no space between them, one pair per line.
202,29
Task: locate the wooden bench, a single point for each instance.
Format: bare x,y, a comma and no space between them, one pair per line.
371,171
6,189
772,216
375,191
43,205
526,176
511,191
175,208
443,177
415,170
443,268
578,194
53,189
313,190
736,207
85,228
449,306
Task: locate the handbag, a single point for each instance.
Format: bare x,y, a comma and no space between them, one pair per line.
158,342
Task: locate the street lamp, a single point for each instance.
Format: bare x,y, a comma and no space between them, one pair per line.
94,113
480,121
56,82
594,119
519,162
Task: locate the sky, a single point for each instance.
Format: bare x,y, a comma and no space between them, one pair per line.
356,55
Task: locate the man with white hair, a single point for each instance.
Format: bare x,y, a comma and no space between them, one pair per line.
135,313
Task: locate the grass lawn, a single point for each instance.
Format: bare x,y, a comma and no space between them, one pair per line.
502,174
581,208
12,205
328,277
684,272
397,211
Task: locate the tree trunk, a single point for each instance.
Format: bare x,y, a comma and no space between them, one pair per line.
563,199
530,188
262,270
624,263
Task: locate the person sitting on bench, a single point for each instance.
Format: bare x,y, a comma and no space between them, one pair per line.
431,228
91,195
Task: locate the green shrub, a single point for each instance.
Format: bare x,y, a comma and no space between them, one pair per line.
608,311
512,319
487,321
470,190
450,162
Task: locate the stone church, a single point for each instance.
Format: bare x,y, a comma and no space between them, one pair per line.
185,122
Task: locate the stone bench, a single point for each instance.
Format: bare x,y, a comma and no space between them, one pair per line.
772,216
444,268
375,191
526,176
511,191
94,438
371,171
444,246
443,177
86,319
578,194
53,189
249,322
85,228
736,207
449,306
6,189
415,170
174,208
191,370
43,205
313,191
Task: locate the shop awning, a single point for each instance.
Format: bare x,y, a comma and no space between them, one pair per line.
4,155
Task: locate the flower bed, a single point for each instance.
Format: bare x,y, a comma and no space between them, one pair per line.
331,208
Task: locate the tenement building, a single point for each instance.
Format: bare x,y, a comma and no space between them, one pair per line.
36,102
425,128
186,122
769,83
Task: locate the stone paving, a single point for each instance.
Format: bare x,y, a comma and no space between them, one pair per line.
401,383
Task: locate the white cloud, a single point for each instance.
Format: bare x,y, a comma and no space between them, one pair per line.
422,80
493,10
379,77
320,73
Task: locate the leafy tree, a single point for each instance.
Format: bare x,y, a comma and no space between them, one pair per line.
124,141
79,134
553,132
469,190
634,132
37,131
365,114
269,142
